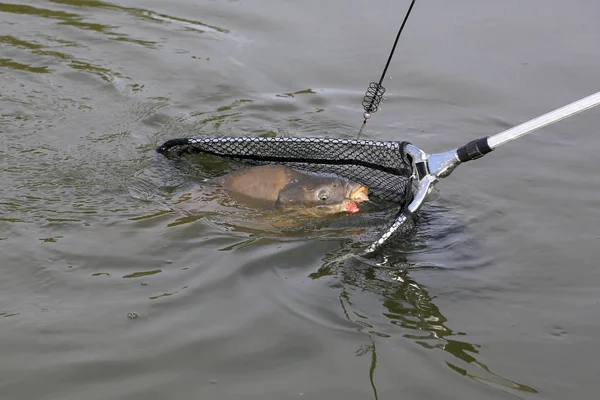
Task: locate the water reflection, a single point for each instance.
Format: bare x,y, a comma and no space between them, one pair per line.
408,306
6,63
76,20
79,21
142,13
373,351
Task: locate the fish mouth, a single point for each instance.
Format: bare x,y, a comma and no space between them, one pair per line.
360,194
351,207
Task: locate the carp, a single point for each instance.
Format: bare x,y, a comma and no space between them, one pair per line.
282,188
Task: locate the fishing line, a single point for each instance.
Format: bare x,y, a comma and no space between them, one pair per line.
376,90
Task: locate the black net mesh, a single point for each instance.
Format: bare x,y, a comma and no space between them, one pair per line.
382,166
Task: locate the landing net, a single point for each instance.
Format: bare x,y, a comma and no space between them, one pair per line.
384,167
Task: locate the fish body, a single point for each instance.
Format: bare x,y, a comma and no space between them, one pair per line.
283,188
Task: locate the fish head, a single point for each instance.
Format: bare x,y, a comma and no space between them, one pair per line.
323,195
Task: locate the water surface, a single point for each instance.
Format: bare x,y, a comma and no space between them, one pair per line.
106,294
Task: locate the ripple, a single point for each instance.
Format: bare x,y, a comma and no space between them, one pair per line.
196,25
143,273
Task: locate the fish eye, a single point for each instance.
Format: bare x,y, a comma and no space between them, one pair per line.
323,195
